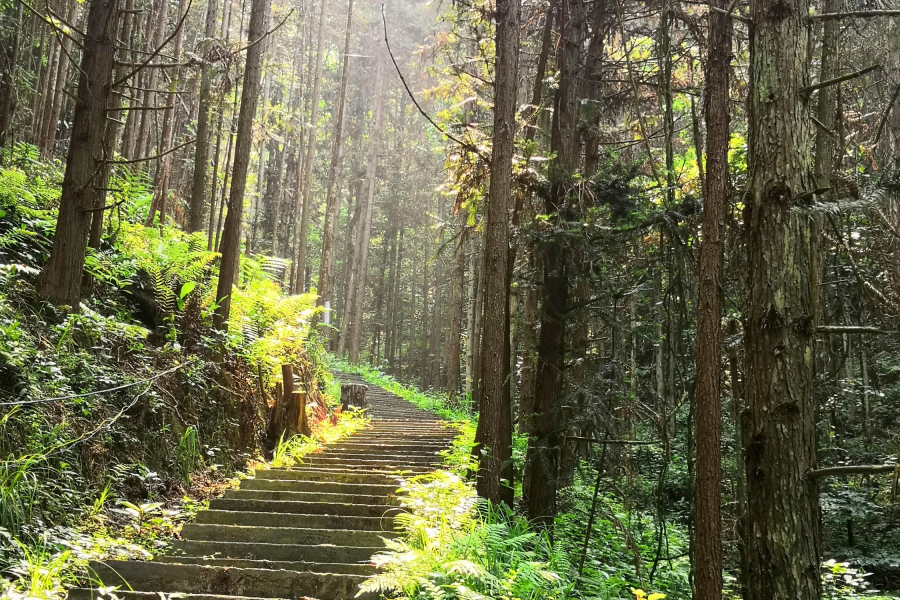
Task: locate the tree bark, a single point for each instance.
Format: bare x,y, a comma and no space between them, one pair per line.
783,537
708,531
542,459
60,281
231,235
494,433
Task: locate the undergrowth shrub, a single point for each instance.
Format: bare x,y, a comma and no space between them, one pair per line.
456,547
183,407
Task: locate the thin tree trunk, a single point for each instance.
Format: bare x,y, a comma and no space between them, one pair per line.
59,94
352,269
299,279
455,306
144,141
231,236
164,164
470,317
366,223
8,79
201,147
708,531
332,202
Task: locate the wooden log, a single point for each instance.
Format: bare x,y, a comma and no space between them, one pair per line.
354,395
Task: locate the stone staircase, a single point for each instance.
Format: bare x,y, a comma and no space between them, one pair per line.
303,532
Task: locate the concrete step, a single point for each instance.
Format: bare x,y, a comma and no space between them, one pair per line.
94,593
311,497
329,553
285,535
269,519
301,533
394,467
309,474
325,471
378,463
305,508
245,563
412,457
325,487
202,579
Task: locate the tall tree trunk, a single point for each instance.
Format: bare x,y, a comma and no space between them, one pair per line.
362,243
396,314
542,459
455,306
332,202
112,132
470,316
353,235
494,432
302,228
231,235
783,537
60,281
8,78
201,147
164,163
144,141
54,107
708,531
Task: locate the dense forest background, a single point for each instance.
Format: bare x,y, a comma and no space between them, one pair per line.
649,246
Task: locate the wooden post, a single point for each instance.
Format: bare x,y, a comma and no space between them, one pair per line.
291,409
303,423
275,417
354,394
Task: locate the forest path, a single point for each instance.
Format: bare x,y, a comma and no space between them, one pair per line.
302,532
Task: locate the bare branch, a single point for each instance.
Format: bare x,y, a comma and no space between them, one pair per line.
148,158
734,16
855,14
264,36
465,145
829,82
153,54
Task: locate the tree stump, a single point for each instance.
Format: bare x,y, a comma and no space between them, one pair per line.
354,394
